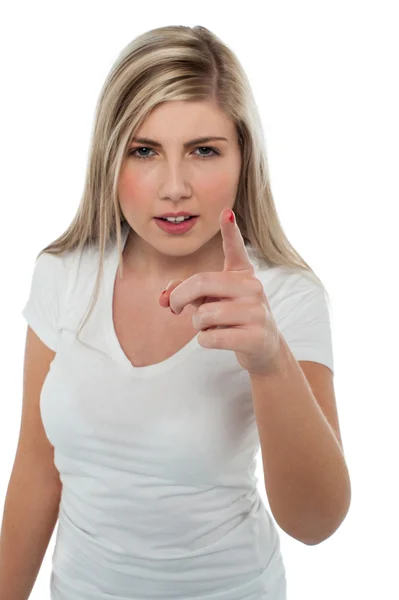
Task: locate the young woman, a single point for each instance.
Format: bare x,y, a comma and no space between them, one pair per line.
155,403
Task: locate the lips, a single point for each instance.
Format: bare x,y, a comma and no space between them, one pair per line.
176,227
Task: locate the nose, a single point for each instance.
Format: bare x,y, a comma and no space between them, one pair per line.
173,181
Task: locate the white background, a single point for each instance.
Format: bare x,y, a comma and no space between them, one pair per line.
325,78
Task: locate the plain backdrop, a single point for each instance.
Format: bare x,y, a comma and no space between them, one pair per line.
325,79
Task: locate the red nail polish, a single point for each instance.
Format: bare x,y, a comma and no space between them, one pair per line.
232,217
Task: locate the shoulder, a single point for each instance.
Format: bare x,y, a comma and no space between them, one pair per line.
285,282
295,296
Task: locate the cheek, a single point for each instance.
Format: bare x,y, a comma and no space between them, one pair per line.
220,186
132,187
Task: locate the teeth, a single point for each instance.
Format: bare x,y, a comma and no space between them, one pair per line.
176,219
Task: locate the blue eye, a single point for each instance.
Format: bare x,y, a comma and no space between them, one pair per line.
213,150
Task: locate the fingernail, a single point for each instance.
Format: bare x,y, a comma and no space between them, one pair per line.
232,217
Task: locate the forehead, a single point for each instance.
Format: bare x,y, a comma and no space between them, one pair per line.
183,120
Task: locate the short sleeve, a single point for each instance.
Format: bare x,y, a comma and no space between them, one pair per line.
42,311
304,318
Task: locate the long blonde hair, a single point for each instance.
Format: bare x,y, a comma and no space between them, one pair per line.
164,64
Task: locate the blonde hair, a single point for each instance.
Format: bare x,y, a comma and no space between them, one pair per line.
164,64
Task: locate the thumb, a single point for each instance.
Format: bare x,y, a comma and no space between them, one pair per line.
173,284
164,297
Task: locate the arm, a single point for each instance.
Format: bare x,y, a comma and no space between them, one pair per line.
306,476
30,515
34,490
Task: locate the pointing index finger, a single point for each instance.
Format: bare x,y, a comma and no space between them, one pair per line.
235,252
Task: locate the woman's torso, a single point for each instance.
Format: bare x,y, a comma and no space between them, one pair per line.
159,490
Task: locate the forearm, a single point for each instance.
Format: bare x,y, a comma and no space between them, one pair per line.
30,515
306,476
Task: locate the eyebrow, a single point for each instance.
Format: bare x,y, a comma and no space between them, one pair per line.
200,140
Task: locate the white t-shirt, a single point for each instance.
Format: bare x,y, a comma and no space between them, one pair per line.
159,496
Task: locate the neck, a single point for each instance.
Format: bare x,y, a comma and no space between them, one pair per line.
145,263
